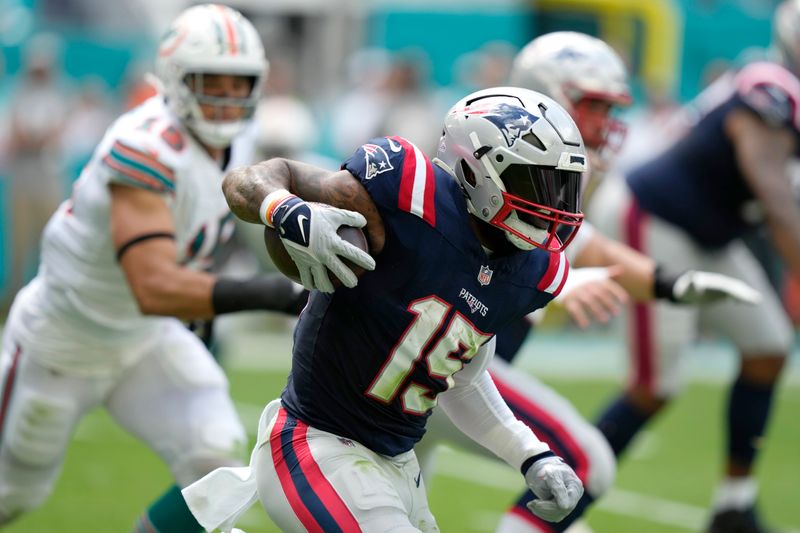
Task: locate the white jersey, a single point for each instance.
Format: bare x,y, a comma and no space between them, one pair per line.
80,282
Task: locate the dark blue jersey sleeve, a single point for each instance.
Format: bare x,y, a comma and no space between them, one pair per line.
771,92
397,175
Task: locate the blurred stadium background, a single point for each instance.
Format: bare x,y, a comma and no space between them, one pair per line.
343,71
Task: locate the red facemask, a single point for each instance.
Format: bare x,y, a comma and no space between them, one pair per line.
561,226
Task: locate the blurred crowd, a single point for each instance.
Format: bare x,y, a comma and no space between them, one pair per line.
50,127
53,122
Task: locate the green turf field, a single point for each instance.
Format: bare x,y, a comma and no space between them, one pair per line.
663,486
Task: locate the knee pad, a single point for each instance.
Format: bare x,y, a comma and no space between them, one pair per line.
38,429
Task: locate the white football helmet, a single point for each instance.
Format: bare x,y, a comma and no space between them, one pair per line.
786,34
518,157
210,39
575,69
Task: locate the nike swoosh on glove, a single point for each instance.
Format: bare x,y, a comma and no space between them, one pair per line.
556,487
308,231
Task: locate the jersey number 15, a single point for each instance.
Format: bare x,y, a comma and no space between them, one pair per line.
443,360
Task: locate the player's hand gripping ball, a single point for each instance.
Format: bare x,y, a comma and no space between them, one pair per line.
286,265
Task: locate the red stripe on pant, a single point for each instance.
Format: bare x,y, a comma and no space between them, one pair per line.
285,477
325,491
642,351
8,387
308,468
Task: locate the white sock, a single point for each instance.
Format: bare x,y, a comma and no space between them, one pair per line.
737,493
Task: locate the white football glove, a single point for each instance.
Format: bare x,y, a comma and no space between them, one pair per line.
556,486
699,287
308,231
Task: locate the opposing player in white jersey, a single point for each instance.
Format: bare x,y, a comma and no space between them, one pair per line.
589,79
122,261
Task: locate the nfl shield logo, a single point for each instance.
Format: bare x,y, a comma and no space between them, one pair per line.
485,275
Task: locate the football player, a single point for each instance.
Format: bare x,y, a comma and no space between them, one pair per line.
123,262
460,245
589,79
691,205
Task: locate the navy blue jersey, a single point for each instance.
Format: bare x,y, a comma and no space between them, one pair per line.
511,338
369,362
697,184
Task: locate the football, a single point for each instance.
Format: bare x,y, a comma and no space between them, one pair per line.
286,266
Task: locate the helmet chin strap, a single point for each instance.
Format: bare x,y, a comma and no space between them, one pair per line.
536,234
438,162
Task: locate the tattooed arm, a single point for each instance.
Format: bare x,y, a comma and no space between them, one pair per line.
245,189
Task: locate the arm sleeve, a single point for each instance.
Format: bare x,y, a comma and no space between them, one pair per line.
475,406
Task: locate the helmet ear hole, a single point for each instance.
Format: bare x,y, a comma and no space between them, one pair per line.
469,175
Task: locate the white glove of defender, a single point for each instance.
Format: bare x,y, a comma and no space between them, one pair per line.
699,287
556,486
308,231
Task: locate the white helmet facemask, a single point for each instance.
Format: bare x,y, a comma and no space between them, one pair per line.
204,40
518,158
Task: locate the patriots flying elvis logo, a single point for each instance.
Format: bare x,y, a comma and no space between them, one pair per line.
512,121
376,160
569,53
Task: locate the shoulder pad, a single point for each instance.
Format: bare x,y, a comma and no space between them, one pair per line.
397,174
142,153
772,92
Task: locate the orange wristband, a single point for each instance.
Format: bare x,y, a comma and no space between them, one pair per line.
270,203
